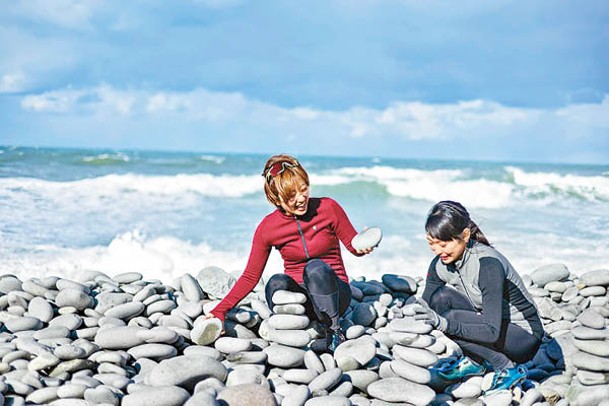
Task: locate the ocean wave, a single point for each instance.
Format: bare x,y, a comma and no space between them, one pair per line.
115,185
219,160
106,159
509,186
167,257
548,184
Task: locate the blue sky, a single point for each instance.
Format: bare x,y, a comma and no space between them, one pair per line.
474,79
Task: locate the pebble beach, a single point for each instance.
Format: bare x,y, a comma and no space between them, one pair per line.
126,340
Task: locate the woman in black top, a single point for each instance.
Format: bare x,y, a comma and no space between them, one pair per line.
475,296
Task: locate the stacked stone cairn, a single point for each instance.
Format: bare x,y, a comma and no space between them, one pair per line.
130,341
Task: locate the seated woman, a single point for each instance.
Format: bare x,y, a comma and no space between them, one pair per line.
306,231
475,296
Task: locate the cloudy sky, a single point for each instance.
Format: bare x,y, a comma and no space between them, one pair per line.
452,79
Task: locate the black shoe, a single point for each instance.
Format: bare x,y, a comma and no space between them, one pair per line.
335,338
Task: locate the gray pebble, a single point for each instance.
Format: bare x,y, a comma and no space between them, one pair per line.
159,395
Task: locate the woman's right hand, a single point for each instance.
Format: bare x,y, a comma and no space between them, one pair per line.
211,316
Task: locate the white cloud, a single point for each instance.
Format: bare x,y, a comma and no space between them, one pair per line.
588,114
12,82
232,112
219,4
75,14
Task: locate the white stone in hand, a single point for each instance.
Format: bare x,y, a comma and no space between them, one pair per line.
368,238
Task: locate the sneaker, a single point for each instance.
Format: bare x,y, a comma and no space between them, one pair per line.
506,379
335,338
329,343
462,368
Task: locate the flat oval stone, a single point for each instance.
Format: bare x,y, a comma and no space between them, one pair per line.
355,331
191,288
215,281
411,371
587,333
157,395
186,371
569,294
400,390
312,361
364,314
549,273
302,376
63,284
43,361
23,324
592,378
71,366
417,356
283,356
464,390
71,390
400,283
246,374
112,357
229,345
290,308
368,238
281,297
41,309
200,350
106,300
154,351
206,331
161,306
288,322
590,362
423,341
125,311
292,338
159,334
326,380
594,347
261,308
361,378
9,283
127,277
68,352
247,357
409,325
555,286
247,394
593,291
362,349
297,396
72,297
42,396
599,277
117,338
101,395
70,321
591,318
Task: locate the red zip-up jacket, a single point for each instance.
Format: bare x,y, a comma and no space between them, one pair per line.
324,224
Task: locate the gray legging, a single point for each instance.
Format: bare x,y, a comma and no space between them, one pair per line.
514,343
327,295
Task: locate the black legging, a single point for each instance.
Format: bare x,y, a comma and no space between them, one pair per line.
327,296
514,343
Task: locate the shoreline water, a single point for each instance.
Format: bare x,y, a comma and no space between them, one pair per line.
168,213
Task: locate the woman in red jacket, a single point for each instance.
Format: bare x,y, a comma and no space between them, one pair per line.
306,231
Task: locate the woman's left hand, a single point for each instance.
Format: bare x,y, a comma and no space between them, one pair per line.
365,251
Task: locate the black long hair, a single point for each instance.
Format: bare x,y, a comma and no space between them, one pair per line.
447,219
